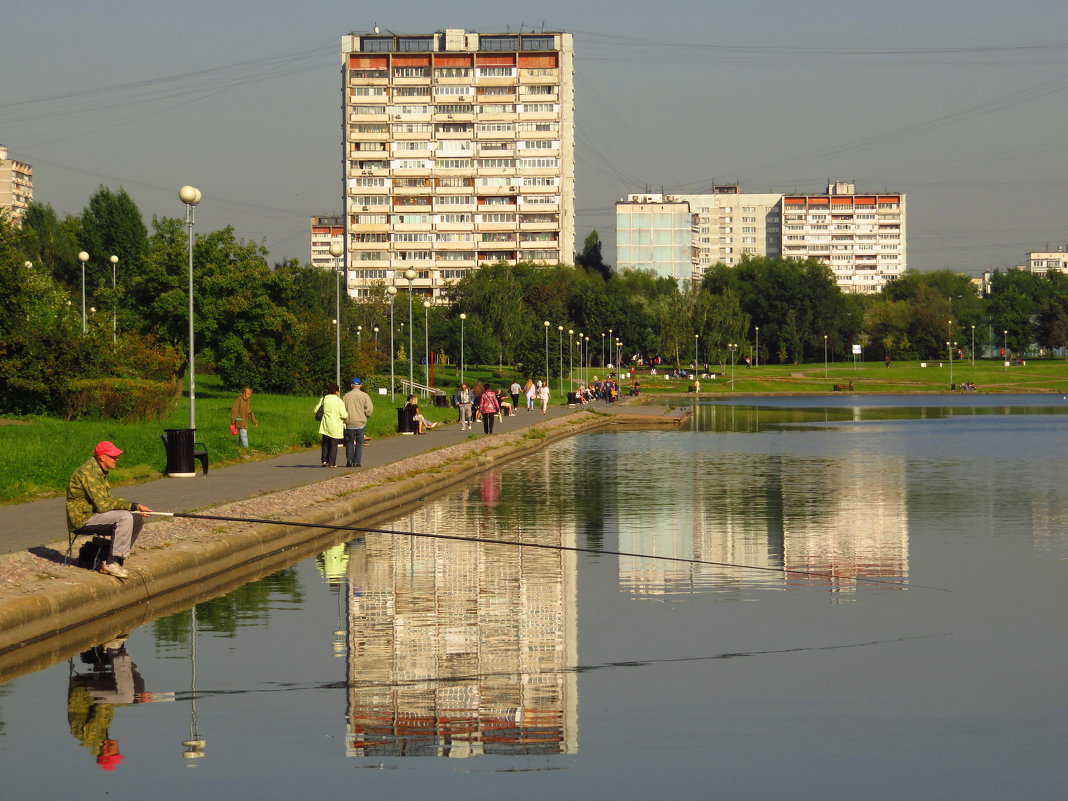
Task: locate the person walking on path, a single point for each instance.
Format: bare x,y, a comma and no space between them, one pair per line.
360,408
465,402
514,391
331,425
92,509
241,415
543,396
530,391
489,405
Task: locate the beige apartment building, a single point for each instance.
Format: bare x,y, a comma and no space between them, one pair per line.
1044,261
861,237
325,230
16,186
459,152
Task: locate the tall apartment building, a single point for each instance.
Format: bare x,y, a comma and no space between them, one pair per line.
459,152
861,238
654,233
1045,260
325,231
16,186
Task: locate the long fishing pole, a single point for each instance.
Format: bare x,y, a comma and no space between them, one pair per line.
543,546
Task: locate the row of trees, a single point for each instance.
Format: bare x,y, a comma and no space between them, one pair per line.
273,327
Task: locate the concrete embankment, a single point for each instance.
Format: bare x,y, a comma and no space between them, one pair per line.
61,609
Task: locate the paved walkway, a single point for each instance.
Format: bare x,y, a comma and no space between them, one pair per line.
27,525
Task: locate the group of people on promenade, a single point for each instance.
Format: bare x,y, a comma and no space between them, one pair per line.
343,419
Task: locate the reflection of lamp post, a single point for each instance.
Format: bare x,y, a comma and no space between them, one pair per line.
114,302
825,356
83,257
392,292
191,196
195,745
426,339
545,324
410,275
462,318
336,249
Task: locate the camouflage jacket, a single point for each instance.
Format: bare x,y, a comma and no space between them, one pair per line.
89,493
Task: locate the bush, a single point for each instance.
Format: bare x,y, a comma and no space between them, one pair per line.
119,399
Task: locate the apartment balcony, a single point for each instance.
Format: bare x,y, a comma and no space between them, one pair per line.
496,153
420,80
456,116
547,225
411,172
357,228
455,134
496,135
412,208
454,227
534,208
546,244
368,136
497,226
358,117
397,227
454,246
539,75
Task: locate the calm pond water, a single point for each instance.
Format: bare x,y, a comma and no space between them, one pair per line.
898,629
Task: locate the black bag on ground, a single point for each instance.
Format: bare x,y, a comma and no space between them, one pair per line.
93,552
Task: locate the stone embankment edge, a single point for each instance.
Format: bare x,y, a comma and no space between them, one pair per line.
33,627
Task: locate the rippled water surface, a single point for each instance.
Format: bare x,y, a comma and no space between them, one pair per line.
859,600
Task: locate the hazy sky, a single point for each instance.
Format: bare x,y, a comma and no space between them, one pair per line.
961,104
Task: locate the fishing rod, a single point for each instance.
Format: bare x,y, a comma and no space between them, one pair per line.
543,546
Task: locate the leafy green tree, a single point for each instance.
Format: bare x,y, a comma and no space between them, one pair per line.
51,244
591,259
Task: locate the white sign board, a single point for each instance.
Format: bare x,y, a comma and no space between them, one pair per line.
856,350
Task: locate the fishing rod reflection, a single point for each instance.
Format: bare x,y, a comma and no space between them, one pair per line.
459,649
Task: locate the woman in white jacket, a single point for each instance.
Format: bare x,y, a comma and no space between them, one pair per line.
332,424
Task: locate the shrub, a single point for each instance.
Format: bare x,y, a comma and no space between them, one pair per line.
119,399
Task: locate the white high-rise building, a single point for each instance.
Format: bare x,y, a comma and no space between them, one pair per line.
861,237
459,152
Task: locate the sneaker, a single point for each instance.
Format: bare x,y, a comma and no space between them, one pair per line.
114,569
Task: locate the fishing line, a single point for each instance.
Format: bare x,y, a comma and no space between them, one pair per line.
546,547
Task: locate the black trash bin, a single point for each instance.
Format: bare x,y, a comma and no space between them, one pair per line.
572,398
441,400
179,445
405,424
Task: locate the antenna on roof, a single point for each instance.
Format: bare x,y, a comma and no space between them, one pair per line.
376,27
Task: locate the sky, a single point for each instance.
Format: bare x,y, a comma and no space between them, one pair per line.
961,104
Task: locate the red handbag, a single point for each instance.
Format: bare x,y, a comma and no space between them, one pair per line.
233,429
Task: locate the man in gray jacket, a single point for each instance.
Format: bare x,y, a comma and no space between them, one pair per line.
359,406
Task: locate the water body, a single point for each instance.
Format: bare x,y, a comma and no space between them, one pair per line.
898,629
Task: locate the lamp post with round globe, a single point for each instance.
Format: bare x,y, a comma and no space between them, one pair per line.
545,325
462,318
392,292
336,249
191,196
560,350
83,257
114,302
410,274
426,340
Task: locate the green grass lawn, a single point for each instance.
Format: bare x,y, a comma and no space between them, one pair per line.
38,454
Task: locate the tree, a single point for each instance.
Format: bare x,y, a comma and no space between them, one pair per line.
51,244
591,259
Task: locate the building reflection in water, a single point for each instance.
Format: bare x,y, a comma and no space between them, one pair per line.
842,517
458,649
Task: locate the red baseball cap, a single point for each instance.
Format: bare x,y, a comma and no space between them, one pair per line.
106,448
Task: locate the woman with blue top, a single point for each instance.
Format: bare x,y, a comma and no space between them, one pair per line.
331,424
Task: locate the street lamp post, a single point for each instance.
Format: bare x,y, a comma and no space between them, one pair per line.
410,275
545,324
83,257
602,350
114,302
949,347
336,249
973,346
359,337
560,353
824,355
462,318
695,359
426,340
1005,348
191,196
570,359
376,337
589,361
756,356
733,347
392,292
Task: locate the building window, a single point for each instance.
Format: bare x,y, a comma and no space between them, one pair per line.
496,218
538,163
415,44
370,44
498,43
497,108
453,164
454,200
538,43
411,91
368,91
496,164
411,72
538,108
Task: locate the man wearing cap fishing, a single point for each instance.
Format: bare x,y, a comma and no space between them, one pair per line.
92,509
359,406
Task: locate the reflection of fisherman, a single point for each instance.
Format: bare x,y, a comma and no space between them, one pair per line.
112,681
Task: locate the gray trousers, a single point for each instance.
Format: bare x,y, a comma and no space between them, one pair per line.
466,415
126,526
